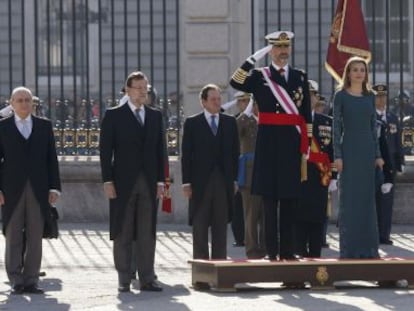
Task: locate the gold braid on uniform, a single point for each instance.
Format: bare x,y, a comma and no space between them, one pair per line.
309,128
239,76
333,167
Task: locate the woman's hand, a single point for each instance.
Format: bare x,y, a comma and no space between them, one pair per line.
339,165
379,162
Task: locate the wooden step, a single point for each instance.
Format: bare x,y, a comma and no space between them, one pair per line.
319,272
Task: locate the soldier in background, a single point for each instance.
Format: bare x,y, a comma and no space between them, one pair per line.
391,150
241,100
252,204
311,214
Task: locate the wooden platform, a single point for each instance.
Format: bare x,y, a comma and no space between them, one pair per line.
320,273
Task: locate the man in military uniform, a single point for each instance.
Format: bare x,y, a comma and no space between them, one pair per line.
252,204
284,125
311,214
392,147
241,100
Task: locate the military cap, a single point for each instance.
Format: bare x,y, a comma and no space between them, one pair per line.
241,95
380,89
405,94
313,86
279,38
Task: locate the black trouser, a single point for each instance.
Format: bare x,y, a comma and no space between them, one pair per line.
279,228
212,212
309,238
384,202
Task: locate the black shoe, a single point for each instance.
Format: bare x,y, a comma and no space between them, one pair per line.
291,257
17,289
238,244
201,286
151,287
387,284
386,241
42,273
133,275
33,289
325,245
294,285
123,288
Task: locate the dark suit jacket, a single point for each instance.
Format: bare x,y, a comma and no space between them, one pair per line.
21,160
126,149
198,159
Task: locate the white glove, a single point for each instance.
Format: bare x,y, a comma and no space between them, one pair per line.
249,108
259,54
385,188
333,185
229,104
6,111
402,169
123,100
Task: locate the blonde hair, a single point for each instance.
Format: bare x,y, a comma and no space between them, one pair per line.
346,82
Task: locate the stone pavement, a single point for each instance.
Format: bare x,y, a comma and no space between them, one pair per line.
80,276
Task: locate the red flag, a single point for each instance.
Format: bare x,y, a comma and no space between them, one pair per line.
166,200
348,37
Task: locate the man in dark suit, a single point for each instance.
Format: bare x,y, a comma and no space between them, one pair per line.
393,156
285,125
209,162
29,183
132,152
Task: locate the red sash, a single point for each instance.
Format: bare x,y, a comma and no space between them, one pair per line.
270,118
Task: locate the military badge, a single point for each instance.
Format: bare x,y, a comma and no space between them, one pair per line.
325,132
298,96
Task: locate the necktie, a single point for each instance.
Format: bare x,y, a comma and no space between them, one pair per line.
138,116
213,124
282,73
25,131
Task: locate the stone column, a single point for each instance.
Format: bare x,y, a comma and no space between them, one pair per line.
213,40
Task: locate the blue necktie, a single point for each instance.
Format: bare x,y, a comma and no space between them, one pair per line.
25,129
138,116
213,124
